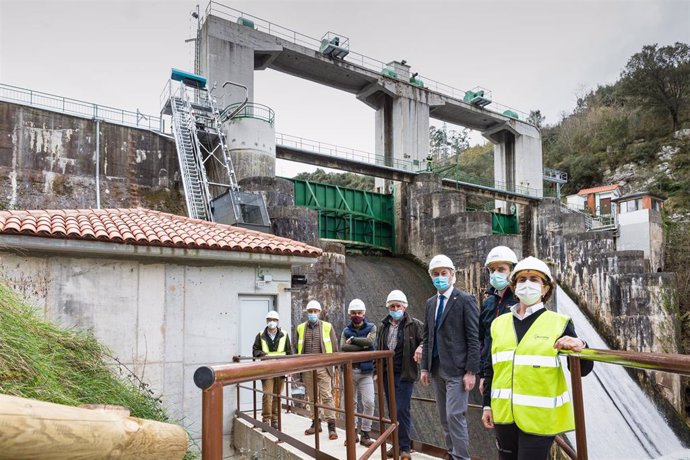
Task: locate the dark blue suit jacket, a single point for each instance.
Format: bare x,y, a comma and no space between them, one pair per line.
458,335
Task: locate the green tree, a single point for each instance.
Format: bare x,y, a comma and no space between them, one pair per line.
660,77
445,144
536,118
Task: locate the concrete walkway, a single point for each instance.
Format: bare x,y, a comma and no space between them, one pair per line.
294,425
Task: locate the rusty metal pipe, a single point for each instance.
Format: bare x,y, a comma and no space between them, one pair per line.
392,409
379,442
379,384
565,447
666,362
316,419
349,413
579,407
228,374
212,422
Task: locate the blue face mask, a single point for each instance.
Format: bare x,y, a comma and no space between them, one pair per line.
396,314
441,283
312,317
498,280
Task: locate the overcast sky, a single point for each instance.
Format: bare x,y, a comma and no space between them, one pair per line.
531,54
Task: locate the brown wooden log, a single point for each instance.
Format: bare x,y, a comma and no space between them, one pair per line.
37,429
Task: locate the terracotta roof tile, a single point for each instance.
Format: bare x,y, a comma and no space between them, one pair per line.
603,188
144,227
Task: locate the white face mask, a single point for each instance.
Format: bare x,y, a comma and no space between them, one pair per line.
272,324
528,292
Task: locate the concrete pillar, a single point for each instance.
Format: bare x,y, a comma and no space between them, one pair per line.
517,160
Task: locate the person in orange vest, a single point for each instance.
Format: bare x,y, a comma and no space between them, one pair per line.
317,336
272,341
526,398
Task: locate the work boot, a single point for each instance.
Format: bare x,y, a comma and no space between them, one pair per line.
274,424
389,453
332,434
366,441
312,429
405,455
356,439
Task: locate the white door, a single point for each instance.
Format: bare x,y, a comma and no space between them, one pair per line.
253,311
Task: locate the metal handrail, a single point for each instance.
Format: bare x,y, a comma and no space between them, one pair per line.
79,108
249,110
368,63
664,362
212,379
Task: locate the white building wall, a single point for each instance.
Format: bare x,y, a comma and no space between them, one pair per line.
634,232
162,320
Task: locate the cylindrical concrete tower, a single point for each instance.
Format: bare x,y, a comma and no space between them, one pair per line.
251,139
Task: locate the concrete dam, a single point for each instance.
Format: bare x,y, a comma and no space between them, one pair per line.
200,307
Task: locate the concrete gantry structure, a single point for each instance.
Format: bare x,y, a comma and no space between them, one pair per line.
233,50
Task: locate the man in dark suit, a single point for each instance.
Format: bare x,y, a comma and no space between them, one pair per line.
450,353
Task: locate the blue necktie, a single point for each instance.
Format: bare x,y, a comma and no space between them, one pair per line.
439,314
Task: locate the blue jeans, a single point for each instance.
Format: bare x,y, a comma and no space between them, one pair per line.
403,399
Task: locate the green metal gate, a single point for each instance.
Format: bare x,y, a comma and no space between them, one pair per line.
354,217
504,224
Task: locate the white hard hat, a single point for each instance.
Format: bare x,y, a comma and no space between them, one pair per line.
396,296
313,305
356,305
441,261
501,254
273,315
534,264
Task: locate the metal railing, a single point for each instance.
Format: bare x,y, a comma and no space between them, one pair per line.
212,380
368,63
324,148
79,108
664,362
249,110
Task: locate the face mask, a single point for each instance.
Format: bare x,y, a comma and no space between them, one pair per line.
396,314
272,324
357,319
312,317
441,283
498,280
528,292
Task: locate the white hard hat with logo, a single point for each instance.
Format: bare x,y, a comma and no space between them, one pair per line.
273,315
396,296
501,254
356,305
441,261
531,264
313,305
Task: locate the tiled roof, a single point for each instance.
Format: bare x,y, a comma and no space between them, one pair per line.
144,227
603,188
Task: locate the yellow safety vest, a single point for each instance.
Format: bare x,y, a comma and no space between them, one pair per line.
529,387
325,337
280,350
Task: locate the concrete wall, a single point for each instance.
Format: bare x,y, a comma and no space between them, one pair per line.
632,307
161,319
48,161
434,221
252,145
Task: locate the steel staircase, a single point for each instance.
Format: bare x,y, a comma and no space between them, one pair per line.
210,185
193,172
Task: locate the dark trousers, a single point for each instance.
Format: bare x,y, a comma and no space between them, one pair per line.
403,400
513,444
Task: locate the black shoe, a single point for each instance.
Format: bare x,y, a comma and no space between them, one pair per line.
332,434
389,453
366,441
274,424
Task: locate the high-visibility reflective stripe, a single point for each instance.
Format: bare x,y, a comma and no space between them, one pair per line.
537,361
540,401
502,356
327,339
501,393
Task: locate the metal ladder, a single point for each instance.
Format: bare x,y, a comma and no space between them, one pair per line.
193,172
195,117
